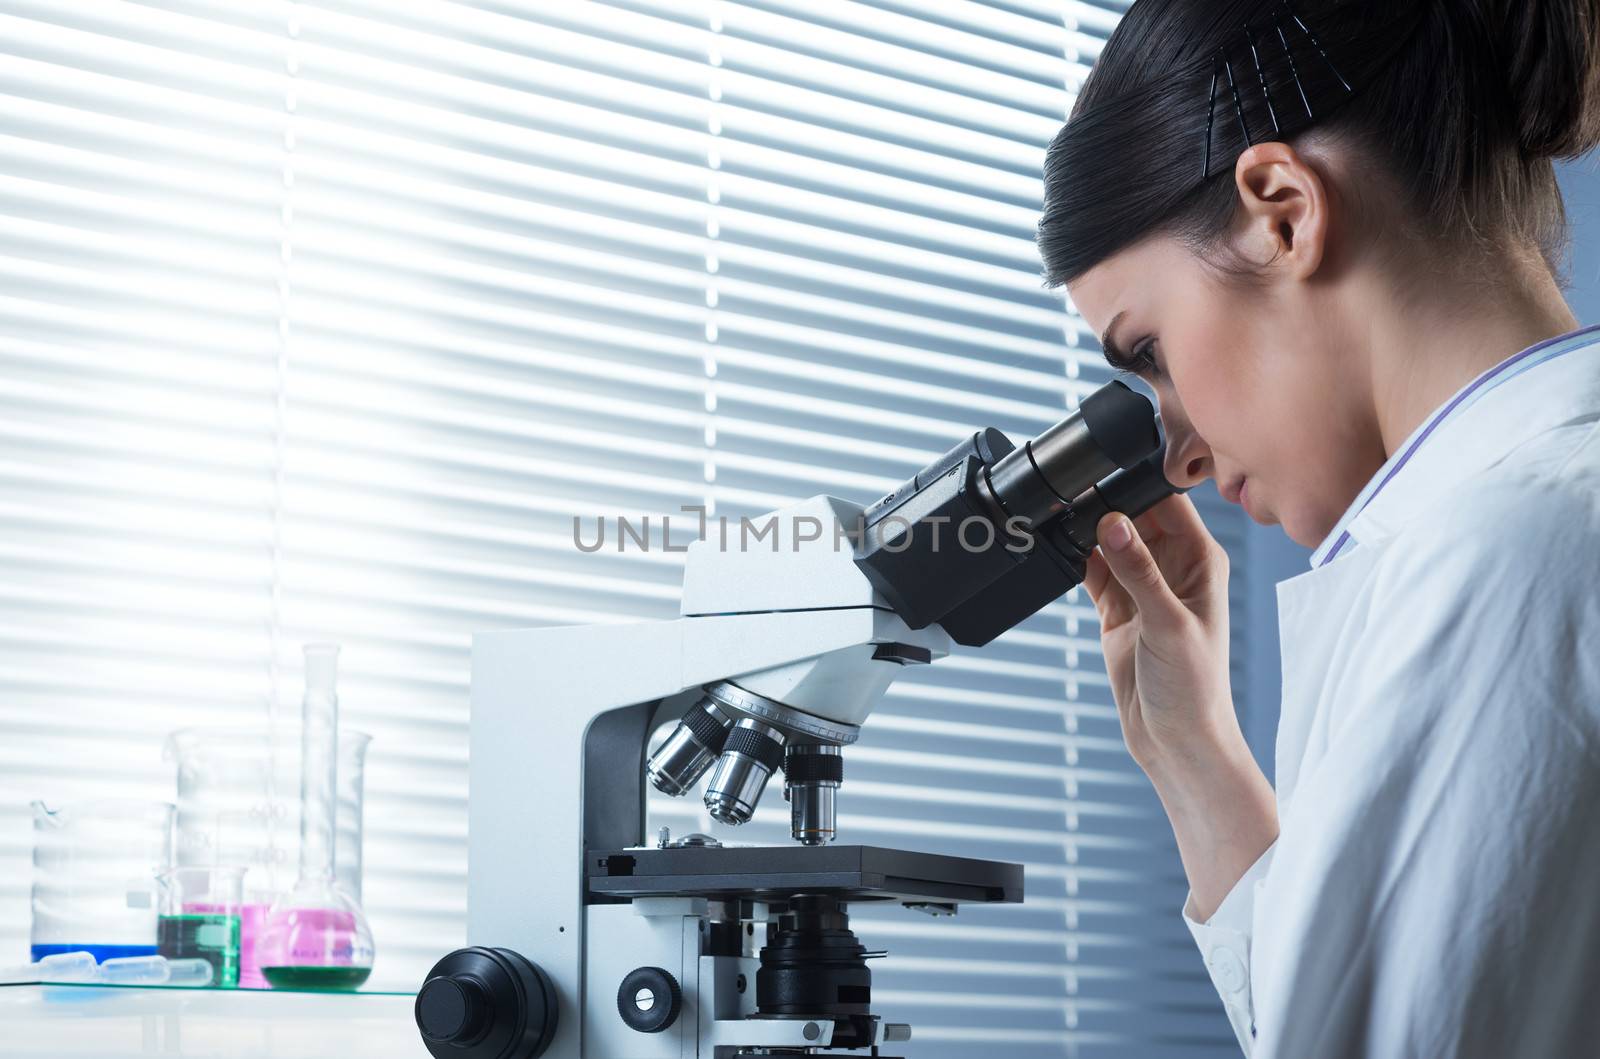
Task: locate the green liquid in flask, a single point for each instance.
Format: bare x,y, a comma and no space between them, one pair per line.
208,936
316,979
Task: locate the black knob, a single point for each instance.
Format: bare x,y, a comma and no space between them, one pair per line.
649,999
451,1009
483,1003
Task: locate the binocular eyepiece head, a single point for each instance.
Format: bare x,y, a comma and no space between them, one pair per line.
1033,511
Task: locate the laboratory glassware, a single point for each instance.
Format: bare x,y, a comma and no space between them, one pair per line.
61,967
235,803
348,821
94,877
238,803
80,968
200,918
317,937
155,970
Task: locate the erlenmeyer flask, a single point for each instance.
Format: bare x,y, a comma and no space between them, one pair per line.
317,936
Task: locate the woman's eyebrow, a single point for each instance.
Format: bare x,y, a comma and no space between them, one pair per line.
1108,345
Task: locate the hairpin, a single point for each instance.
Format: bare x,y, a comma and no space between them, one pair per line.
1315,43
1211,117
1266,92
1294,71
1282,11
1238,104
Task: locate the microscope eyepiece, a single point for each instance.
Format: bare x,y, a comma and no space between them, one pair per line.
690,750
752,753
1121,422
1132,491
1113,429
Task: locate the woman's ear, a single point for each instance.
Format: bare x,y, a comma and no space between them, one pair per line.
1285,217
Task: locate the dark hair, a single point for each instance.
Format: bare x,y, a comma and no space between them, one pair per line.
1463,103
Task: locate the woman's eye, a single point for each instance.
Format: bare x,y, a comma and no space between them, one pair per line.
1144,359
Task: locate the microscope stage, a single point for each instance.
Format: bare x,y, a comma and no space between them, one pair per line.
766,873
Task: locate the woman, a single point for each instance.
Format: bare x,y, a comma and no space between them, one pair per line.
1328,237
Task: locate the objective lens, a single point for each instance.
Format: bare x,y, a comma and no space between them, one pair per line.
690,750
752,752
812,775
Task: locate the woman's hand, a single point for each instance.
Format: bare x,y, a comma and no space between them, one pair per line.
1163,604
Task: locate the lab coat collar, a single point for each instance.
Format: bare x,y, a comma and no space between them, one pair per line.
1562,389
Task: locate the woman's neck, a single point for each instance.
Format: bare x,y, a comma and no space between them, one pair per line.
1447,337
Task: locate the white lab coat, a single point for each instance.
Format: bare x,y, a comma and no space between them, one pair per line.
1435,887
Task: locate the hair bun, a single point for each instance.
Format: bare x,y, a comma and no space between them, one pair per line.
1552,53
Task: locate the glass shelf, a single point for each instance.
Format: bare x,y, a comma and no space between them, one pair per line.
219,992
80,1021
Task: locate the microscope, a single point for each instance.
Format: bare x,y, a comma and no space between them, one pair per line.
587,942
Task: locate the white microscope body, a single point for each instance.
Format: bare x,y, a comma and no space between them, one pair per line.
586,943
563,710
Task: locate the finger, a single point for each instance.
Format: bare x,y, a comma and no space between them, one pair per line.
1111,600
1177,515
1151,530
1135,569
1095,576
1178,538
1188,538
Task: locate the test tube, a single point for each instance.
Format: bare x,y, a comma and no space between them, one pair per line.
61,967
195,972
67,967
134,970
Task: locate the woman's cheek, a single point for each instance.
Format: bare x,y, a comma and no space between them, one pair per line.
1202,405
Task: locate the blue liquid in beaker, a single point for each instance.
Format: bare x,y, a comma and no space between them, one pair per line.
101,953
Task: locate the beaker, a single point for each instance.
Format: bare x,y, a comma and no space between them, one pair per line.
235,796
94,877
200,919
238,804
317,937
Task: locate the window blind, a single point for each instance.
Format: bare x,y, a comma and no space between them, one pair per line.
327,320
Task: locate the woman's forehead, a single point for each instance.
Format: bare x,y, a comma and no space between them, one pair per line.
1123,281
1093,295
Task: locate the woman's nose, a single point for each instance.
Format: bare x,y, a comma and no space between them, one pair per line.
1188,460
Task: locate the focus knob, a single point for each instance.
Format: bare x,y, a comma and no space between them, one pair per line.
483,1003
451,1009
649,999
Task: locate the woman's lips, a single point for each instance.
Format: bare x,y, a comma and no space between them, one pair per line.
1263,517
1239,494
